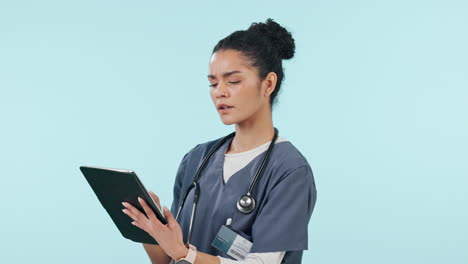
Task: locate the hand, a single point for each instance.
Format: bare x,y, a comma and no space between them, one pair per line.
169,236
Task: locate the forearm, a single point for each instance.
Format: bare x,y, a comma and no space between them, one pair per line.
252,258
156,254
203,258
257,258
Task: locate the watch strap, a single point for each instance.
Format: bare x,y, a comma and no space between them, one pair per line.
191,256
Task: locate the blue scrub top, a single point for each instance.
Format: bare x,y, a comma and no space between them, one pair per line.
285,194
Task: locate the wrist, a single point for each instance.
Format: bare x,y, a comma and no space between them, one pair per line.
180,252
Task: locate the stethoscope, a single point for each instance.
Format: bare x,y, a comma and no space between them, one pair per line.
246,203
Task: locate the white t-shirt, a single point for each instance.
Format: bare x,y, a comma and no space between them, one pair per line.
233,162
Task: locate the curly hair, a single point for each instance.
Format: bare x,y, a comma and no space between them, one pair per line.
264,45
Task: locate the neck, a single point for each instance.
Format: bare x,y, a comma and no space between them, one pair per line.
253,132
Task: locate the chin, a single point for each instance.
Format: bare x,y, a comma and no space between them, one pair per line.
228,121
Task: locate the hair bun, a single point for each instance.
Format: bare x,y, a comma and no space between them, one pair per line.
280,38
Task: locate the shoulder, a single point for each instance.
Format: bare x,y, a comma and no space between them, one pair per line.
286,154
203,148
196,153
286,159
191,161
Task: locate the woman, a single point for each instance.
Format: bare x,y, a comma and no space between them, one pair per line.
245,75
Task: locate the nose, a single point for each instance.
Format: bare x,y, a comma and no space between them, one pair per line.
221,90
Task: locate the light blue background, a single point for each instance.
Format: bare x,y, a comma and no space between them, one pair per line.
376,99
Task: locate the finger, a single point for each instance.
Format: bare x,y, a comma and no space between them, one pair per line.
155,198
137,224
169,217
143,227
134,211
136,221
127,212
149,212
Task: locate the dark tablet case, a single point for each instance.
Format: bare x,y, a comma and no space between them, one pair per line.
112,187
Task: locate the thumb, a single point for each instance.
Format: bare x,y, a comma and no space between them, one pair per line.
171,222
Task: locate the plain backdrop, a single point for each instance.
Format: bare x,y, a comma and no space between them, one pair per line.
375,99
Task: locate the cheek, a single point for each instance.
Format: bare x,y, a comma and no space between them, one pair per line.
250,95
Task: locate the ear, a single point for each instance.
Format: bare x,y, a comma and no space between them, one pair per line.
269,83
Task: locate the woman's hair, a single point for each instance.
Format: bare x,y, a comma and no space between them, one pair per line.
264,45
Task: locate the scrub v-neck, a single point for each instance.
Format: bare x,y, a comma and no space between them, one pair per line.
235,175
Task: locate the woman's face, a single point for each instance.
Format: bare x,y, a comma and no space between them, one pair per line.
235,87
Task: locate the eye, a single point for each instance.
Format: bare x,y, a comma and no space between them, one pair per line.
213,85
234,82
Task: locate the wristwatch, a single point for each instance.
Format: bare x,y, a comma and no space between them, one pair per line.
191,255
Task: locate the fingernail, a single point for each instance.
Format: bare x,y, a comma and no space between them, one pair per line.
123,203
123,210
139,199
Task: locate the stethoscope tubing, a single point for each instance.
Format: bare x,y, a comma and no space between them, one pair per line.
195,185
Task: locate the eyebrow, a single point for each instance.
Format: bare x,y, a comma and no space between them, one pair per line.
226,74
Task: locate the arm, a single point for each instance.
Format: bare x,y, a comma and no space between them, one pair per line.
156,254
203,258
257,258
170,238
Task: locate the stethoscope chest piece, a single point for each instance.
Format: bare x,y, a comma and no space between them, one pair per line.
246,204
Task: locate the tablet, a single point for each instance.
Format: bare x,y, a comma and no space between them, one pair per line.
114,186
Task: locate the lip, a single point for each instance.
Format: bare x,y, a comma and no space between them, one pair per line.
221,109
